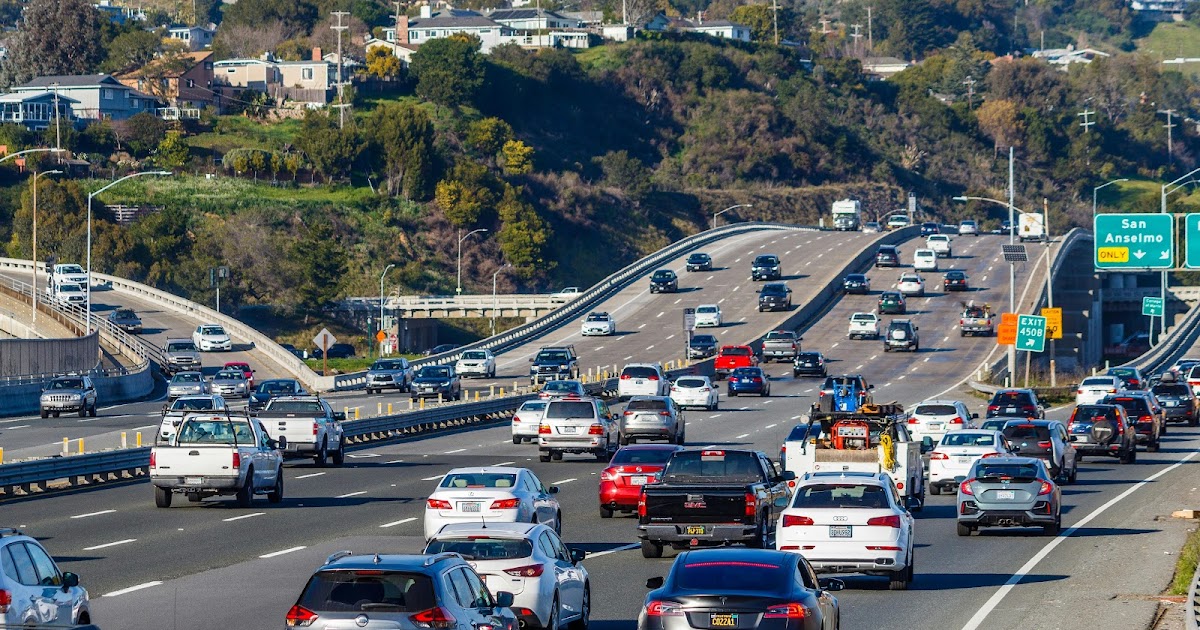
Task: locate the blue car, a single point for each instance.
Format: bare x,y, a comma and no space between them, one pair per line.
749,380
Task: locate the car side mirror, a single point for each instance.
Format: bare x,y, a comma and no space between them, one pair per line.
870,387
531,359
926,444
339,416
504,599
1043,404
831,584
787,475
552,490
70,580
577,555
654,582
281,443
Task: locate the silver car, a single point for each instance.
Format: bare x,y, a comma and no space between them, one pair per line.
652,418
187,384
37,594
394,374
1009,492
231,383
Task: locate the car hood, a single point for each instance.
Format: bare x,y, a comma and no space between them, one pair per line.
427,380
76,392
228,381
384,372
185,385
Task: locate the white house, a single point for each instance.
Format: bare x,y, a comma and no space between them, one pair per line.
432,25
718,28
1064,57
532,19
194,37
883,68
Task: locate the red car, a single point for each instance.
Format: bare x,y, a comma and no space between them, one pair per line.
730,358
631,468
245,368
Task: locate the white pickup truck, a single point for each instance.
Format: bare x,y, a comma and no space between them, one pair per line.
864,326
312,428
218,455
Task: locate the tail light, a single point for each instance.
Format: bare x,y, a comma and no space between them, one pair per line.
751,505
297,617
705,389
956,420
505,504
153,464
625,377
516,419
664,413
627,413
965,487
793,346
436,617
315,427
595,429
1079,391
785,611
438,504
1112,391
891,520
913,421
664,609
987,455
757,379
791,520
532,570
1145,419
642,504
608,474
960,322
543,429
1135,383
652,377
992,408
237,460
1047,488
1045,444
938,456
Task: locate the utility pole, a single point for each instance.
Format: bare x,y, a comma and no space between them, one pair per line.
57,128
870,31
857,35
1169,126
824,22
775,8
1087,122
339,28
970,83
396,37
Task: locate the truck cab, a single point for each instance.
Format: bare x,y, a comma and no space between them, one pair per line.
847,215
553,363
218,454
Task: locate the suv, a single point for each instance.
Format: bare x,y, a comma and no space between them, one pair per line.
856,283
1145,414
929,227
181,355
67,394
552,363
1102,430
699,262
400,591
774,296
901,335
664,281
642,379
394,374
887,256
892,303
1046,440
968,227
1016,402
1177,399
577,425
436,381
1131,377
766,267
35,593
652,418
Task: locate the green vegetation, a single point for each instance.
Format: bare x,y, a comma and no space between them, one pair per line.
1185,565
1170,40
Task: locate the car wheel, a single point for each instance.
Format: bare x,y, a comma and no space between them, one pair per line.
1074,472
552,620
935,489
898,580
45,414
517,439
964,530
1055,472
339,456
321,459
162,497
680,439
1152,447
556,456
585,610
544,457
245,496
1193,422
1163,431
605,512
83,411
622,439
92,410
1052,530
731,394
276,495
651,549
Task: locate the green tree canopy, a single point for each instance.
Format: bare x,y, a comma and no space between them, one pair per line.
173,151
403,134
131,50
58,37
320,262
449,71
330,150
143,132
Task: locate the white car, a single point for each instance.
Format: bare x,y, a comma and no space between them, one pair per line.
925,260
911,284
935,418
642,379
480,363
968,227
1093,388
551,588
952,458
67,293
864,326
493,494
211,337
599,323
526,420
940,244
566,295
174,413
695,391
708,316
852,522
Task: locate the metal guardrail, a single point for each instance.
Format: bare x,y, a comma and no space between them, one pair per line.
87,466
1191,608
474,302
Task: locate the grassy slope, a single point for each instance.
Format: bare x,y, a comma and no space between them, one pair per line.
1169,40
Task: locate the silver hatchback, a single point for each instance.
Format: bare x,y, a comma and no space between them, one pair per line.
652,418
39,595
1009,492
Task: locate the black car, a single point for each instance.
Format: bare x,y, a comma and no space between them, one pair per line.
766,267
436,381
809,364
892,303
746,589
442,349
887,256
702,346
699,262
1144,413
1102,430
901,335
856,283
1046,440
336,351
296,352
955,281
664,281
1017,403
775,296
930,227
1131,377
1178,402
126,319
271,388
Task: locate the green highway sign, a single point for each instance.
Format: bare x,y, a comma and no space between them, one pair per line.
1135,241
1031,333
1152,306
1191,241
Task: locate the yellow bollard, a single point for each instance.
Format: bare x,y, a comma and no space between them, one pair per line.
379,409
346,411
138,435
124,440
502,392
477,395
492,390
356,412
81,446
411,403
439,398
1,455
389,409
66,446
422,403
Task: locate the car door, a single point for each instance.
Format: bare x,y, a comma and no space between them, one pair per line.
544,504
461,600
267,467
27,601
605,417
568,576
59,603
483,603
806,579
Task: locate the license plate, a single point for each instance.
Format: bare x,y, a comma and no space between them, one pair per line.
935,426
841,531
694,530
427,388
1005,494
469,506
1081,438
722,620
638,481
571,430
1010,409
639,382
964,460
193,481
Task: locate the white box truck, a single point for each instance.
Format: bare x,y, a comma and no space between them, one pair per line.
1031,227
847,215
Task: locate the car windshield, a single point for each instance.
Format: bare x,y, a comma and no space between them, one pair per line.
561,410
368,591
479,480
642,456
552,356
276,388
766,260
968,438
212,330
713,467
707,309
387,364
663,275
653,404
125,314
1026,432
698,257
312,406
230,375
482,547
774,289
934,410
638,372
187,378
780,335
193,404
474,355
839,496
733,576
181,346
533,405
686,382
67,383
1170,390
735,351
215,432
699,340
597,317
561,386
988,471
70,269
1010,399
434,371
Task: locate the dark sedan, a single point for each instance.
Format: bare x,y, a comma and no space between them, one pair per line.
126,319
664,281
856,283
336,351
436,381
702,346
955,281
749,380
930,227
743,589
699,262
774,296
272,388
1178,402
809,364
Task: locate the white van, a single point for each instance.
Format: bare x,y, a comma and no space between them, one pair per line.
925,260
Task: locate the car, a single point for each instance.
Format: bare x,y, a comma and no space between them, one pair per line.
954,454
244,368
853,522
436,381
1009,492
1177,399
296,352
968,227
911,284
872,227
1093,388
925,260
311,427
187,384
1131,377
554,362
598,323
750,589
748,380
174,413
997,423
856,283
271,388
126,319
702,346
479,363
1007,227
898,221
558,389
436,350
67,293
766,267
566,295
699,262
347,351
410,591
34,592
774,296
892,303
708,316
1145,413
809,364
526,420
66,394
1017,403
1103,430
695,391
887,256
940,244
930,227
631,468
664,281
652,418
551,588
864,325
393,373
730,358
841,386
577,425
642,379
1047,440
780,345
935,418
181,356
902,335
212,338
955,280
218,454
230,383
493,494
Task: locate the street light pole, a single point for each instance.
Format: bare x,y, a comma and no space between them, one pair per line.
1096,191
1012,268
381,277
461,238
494,303
35,257
91,195
740,205
1173,186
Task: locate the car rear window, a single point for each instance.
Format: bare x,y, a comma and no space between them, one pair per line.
735,352
559,410
1133,406
808,356
865,496
193,404
756,577
215,432
368,591
713,467
749,372
642,456
277,388
1098,380
1027,432
479,480
935,410
482,547
766,260
560,386
533,405
639,372
967,438
780,335
690,382
1170,390
390,364
1006,471
1011,398
647,403
295,405
1092,413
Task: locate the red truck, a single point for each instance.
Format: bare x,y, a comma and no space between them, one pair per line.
730,358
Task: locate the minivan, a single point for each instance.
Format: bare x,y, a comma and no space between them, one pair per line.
925,260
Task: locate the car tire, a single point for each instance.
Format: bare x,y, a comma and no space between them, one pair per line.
517,439
321,459
544,457
1152,447
585,611
605,512
651,549
83,411
162,497
556,456
935,489
339,456
1052,530
245,496
1055,473
552,620
45,414
92,410
1193,422
276,495
623,439
1163,431
1074,471
964,530
898,580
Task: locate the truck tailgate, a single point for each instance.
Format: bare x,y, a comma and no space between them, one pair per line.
197,460
695,504
297,430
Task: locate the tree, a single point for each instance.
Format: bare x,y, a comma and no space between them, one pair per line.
297,16
62,221
130,50
488,135
403,134
467,194
58,37
320,264
382,64
330,150
258,162
998,119
626,172
293,163
761,20
244,41
276,165
523,234
142,132
449,71
173,151
518,158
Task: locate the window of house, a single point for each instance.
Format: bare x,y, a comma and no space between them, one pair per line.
231,70
208,65
306,73
191,83
485,31
107,94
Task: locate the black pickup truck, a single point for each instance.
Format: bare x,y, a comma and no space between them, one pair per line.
712,498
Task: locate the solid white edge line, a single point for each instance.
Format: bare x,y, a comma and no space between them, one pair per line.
981,615
111,544
562,481
614,550
282,551
238,518
309,475
399,522
93,513
133,588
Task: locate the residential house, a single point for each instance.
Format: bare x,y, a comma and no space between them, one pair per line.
432,25
235,76
118,15
883,68
578,39
183,82
1063,57
400,49
194,37
1173,7
313,82
35,110
96,96
618,32
589,19
714,28
532,19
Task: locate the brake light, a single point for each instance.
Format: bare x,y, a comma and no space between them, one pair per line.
237,460
987,455
938,456
993,407
960,322
664,413
956,420
757,379
438,504
751,505
627,413
297,617
790,520
1047,488
913,421
436,617
153,464
608,474
596,429
532,570
885,521
543,429
505,504
652,377
965,487
625,377
785,611
1079,391
664,609
1145,419
1045,444
642,504
315,427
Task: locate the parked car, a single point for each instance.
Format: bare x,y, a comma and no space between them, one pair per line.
526,420
1017,403
1009,492
494,494
1103,430
34,591
631,468
126,319
955,453
699,262
748,380
479,363
695,391
652,418
67,394
212,338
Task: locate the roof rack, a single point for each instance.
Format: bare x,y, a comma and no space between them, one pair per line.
337,555
436,558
